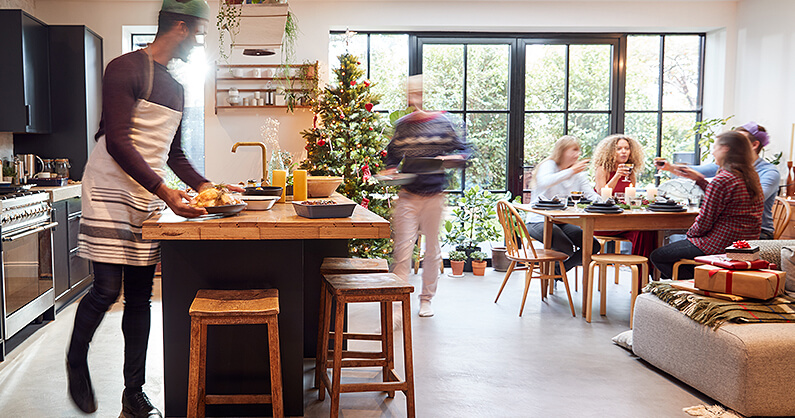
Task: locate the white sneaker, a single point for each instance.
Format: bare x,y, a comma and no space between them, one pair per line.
425,308
397,316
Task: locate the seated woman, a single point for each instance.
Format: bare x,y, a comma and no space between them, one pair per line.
559,175
609,158
731,209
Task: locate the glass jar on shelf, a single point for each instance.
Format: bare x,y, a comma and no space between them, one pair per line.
62,166
48,166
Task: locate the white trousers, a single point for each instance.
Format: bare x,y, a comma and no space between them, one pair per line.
414,213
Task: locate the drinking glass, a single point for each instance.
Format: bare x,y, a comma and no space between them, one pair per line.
629,166
575,197
660,163
618,197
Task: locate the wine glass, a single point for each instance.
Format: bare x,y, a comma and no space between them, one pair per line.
629,166
660,163
575,197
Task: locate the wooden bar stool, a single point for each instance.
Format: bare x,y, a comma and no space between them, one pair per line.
342,265
616,260
342,289
604,239
232,307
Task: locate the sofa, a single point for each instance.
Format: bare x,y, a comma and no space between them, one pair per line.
746,367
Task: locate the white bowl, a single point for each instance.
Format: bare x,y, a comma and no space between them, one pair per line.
260,202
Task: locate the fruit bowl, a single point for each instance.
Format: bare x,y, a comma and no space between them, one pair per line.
322,186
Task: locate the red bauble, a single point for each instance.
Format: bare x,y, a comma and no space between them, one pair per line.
353,82
321,142
383,153
367,83
368,106
370,128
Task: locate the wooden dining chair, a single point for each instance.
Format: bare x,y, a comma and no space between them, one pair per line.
540,263
782,212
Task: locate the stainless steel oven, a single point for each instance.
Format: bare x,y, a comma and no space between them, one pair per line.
27,263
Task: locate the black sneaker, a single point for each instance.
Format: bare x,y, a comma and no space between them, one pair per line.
80,389
137,405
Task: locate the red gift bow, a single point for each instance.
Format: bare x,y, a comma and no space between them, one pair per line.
741,244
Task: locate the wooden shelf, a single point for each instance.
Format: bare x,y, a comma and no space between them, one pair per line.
299,84
261,107
263,78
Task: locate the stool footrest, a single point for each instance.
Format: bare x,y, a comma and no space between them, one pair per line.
373,387
237,399
358,354
356,336
359,363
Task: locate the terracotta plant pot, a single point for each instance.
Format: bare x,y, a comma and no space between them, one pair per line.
458,267
479,268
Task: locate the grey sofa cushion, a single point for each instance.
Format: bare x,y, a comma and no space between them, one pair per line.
788,265
770,250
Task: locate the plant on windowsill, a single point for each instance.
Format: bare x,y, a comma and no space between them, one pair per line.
479,263
457,260
473,220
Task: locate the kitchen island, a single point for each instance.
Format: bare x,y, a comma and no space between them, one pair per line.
255,249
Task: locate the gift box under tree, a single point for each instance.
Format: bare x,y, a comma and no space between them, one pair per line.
757,284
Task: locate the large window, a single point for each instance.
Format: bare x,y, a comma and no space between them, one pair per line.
514,95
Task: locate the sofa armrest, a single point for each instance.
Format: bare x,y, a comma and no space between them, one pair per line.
770,250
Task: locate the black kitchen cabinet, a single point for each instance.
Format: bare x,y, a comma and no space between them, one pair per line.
24,65
76,93
60,249
79,268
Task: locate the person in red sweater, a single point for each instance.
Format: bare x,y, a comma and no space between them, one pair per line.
731,210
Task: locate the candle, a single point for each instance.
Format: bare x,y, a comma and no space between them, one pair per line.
280,179
651,192
607,193
299,185
630,191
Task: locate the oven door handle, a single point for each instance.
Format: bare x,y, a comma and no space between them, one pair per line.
27,232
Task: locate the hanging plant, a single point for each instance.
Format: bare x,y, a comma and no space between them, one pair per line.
228,21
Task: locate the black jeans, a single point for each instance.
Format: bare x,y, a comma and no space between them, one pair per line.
565,238
664,258
135,323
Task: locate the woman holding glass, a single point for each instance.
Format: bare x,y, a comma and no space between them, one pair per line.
612,160
558,176
731,210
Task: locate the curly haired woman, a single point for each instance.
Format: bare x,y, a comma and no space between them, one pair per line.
609,161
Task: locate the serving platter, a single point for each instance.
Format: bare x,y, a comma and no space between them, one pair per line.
226,209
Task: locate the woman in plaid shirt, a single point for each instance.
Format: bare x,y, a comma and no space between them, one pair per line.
731,210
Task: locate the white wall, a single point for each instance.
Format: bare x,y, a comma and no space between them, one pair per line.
317,18
765,88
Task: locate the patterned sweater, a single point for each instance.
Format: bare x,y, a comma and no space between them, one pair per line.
428,134
727,214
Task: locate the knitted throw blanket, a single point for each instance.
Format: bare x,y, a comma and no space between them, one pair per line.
713,312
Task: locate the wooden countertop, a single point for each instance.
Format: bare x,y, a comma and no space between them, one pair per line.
280,222
62,192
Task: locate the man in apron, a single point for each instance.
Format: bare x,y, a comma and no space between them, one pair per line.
140,132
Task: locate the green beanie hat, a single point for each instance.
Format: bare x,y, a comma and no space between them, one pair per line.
197,8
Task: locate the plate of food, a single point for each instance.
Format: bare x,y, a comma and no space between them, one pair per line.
398,179
217,200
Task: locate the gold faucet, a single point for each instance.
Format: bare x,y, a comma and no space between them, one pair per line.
264,156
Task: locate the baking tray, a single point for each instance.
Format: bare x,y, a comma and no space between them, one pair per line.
338,210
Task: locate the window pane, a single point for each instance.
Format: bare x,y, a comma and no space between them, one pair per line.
545,72
443,77
541,131
488,134
455,175
643,72
643,127
357,46
589,77
389,67
589,128
677,135
680,88
488,70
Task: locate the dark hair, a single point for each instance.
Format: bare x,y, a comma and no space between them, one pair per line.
739,160
167,20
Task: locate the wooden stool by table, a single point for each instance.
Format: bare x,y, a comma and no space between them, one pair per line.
342,289
604,260
343,265
232,307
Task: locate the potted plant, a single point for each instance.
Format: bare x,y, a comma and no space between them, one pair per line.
499,260
479,263
457,259
473,221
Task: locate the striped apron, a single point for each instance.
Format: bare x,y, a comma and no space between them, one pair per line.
114,204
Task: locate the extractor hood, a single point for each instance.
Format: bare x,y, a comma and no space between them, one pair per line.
261,28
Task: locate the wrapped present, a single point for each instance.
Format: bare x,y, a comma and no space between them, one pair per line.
721,260
742,251
757,284
690,286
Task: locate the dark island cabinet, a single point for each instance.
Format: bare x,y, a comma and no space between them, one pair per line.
73,274
24,65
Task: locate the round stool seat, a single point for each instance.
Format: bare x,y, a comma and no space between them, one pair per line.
619,258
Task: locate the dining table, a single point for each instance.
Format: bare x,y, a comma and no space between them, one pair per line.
629,220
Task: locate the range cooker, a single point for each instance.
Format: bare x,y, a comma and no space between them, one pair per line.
26,265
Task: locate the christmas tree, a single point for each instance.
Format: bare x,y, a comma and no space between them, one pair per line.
347,140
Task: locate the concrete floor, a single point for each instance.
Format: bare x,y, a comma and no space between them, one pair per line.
474,358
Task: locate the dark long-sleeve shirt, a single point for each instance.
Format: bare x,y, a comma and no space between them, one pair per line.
126,80
425,135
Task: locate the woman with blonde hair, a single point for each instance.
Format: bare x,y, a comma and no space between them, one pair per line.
610,159
559,175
